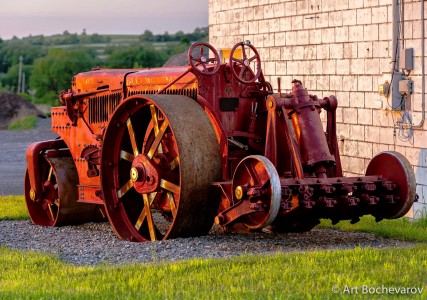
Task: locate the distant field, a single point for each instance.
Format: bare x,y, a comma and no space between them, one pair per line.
118,41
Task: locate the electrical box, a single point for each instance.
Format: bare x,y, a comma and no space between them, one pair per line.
406,59
406,87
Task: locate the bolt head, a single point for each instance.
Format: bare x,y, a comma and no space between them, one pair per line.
238,192
219,220
32,194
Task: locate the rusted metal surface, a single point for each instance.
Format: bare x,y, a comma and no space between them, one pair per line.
191,143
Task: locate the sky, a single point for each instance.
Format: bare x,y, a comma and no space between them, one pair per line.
47,17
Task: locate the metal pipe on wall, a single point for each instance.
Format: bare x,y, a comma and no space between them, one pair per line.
395,38
423,81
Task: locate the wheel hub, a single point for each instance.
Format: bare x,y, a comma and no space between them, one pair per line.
144,175
238,192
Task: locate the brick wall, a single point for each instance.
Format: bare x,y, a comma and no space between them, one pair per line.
340,47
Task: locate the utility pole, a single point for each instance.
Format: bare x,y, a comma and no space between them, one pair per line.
21,59
23,83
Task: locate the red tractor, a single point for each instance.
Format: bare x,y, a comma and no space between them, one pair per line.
165,152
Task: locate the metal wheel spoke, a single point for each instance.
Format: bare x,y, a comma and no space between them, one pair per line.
169,186
50,174
51,211
252,173
149,218
158,139
172,204
196,59
244,52
127,156
174,163
240,61
132,137
154,118
143,214
252,58
124,189
155,124
252,72
242,71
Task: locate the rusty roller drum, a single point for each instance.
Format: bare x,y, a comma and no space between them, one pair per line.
160,155
58,204
395,167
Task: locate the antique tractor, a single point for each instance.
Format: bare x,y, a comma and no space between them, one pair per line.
164,152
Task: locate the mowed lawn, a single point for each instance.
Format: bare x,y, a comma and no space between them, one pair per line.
353,274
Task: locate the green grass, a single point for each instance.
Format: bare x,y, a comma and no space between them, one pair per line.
402,229
308,275
28,122
13,208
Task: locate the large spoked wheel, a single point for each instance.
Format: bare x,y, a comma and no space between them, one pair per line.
58,204
202,63
256,180
245,69
395,167
159,158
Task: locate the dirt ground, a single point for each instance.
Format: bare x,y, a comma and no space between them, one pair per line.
13,145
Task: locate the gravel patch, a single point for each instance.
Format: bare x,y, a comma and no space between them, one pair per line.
95,243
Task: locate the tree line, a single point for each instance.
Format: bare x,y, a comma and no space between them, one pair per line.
49,63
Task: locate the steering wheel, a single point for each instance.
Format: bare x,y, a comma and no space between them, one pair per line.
246,73
199,62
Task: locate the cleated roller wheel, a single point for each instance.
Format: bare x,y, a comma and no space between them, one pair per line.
256,180
395,167
159,157
58,204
